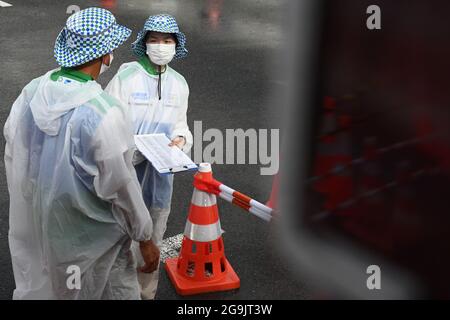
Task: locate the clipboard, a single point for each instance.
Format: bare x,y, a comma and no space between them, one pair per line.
166,160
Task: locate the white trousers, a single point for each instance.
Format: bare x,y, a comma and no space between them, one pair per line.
148,282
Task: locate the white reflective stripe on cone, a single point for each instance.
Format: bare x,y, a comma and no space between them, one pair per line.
203,199
203,233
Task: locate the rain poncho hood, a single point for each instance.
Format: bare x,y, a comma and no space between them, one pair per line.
50,103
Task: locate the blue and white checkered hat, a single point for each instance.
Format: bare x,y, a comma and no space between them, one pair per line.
161,23
89,34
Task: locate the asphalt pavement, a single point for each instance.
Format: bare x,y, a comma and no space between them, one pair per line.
232,74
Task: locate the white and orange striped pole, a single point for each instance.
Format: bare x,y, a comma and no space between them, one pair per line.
209,184
245,202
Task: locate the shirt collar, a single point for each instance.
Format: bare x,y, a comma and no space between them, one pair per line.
145,63
72,74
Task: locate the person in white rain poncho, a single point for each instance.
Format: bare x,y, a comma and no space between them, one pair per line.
157,97
75,201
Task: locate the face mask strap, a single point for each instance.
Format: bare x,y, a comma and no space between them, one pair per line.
104,67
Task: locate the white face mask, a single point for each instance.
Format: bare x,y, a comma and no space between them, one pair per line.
104,67
160,54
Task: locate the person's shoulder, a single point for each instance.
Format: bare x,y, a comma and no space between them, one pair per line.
178,77
99,111
128,71
32,86
104,103
35,82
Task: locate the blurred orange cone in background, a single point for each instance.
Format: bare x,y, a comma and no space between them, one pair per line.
324,161
202,266
273,200
339,184
370,211
108,4
374,206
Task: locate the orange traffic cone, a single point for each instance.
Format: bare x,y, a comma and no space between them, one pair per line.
372,179
108,4
369,211
339,185
202,266
325,158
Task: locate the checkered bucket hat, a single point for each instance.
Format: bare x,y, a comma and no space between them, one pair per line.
161,23
88,35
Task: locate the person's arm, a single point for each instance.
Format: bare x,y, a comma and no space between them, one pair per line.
116,90
181,128
17,112
9,132
116,182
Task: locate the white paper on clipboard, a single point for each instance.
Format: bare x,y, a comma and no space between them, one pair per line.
165,159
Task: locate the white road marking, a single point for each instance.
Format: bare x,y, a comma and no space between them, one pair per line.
5,4
170,247
72,9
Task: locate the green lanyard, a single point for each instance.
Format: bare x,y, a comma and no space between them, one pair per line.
145,63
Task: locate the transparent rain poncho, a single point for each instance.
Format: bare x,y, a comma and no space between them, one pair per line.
139,90
157,104
74,195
